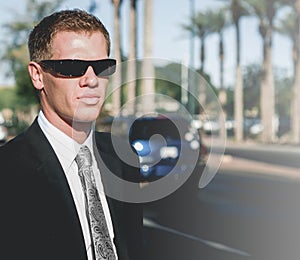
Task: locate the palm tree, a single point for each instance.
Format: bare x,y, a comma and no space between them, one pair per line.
116,79
296,86
238,10
131,72
148,87
266,10
200,26
289,26
218,22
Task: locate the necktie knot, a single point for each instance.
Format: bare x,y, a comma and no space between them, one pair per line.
84,157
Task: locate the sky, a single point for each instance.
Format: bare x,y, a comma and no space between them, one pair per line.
170,41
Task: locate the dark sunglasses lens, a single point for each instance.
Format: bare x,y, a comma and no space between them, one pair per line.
66,68
77,68
104,68
71,68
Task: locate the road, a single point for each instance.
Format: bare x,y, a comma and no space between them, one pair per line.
250,210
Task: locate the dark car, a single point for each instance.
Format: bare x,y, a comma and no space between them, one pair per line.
168,145
3,130
3,134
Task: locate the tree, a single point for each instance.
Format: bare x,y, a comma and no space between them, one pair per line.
148,87
266,10
251,82
200,26
296,86
117,77
289,26
218,22
238,10
295,123
132,66
16,53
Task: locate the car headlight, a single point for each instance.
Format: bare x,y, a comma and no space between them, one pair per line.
169,152
138,146
194,145
189,136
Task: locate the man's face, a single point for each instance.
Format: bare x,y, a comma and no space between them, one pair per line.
78,99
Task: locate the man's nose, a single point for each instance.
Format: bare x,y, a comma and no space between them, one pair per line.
89,79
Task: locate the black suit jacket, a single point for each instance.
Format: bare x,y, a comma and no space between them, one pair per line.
38,216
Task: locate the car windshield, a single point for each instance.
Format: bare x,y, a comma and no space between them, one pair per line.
144,128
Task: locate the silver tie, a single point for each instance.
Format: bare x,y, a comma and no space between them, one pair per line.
101,241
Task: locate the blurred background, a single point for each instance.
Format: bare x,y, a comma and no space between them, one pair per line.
246,50
246,55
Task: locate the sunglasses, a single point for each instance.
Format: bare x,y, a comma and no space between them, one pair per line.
77,68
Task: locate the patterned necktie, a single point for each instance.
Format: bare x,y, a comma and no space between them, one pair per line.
101,242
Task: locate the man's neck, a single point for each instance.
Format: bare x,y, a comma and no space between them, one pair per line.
78,131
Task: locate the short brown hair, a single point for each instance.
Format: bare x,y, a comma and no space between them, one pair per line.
41,37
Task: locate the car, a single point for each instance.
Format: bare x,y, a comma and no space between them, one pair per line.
3,134
3,129
168,145
211,126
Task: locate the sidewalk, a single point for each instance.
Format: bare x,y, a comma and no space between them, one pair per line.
235,164
260,146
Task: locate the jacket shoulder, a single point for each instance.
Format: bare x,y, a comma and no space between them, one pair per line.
108,143
114,148
12,149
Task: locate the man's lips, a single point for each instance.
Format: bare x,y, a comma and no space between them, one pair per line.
89,99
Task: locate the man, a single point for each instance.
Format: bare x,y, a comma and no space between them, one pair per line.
52,200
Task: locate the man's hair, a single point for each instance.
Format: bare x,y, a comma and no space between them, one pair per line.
79,21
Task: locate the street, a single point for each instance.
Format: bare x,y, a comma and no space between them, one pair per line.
250,210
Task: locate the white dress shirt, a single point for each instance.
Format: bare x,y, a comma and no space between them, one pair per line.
66,150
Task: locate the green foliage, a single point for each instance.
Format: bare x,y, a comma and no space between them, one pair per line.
287,25
16,53
171,88
283,90
230,103
26,93
217,20
8,98
168,88
284,95
238,9
252,82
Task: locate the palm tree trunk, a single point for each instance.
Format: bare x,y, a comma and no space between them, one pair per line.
131,72
222,93
202,83
296,87
202,55
148,87
268,92
116,78
238,94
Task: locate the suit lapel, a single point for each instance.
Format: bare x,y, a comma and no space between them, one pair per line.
47,162
50,170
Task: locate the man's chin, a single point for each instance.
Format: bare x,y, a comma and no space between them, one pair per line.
85,117
83,123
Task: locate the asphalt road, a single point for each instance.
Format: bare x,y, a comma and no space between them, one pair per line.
250,210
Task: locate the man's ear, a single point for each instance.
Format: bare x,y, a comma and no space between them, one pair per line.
36,75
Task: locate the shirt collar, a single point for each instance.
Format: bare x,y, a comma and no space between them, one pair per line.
64,146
